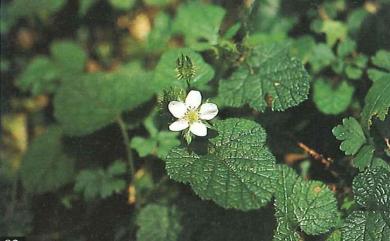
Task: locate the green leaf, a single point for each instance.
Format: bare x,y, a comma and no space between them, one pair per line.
157,3
40,76
302,48
165,71
334,30
377,101
158,223
143,146
372,189
159,142
158,38
363,157
270,75
309,205
85,5
332,101
335,236
382,59
353,72
122,4
346,48
45,167
199,23
26,8
43,75
351,135
101,183
321,57
366,226
375,74
372,193
380,163
166,140
96,100
70,57
237,172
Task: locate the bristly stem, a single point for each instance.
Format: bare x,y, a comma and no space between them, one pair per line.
126,142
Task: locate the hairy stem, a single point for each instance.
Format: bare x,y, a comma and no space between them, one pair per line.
126,141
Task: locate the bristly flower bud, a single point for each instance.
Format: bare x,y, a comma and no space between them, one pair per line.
171,94
185,69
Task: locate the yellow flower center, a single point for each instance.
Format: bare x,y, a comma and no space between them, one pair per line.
192,116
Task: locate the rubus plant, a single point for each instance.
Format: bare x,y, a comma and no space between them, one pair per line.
195,120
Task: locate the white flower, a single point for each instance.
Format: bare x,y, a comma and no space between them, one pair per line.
190,115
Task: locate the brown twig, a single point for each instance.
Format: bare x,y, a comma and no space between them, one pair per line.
317,156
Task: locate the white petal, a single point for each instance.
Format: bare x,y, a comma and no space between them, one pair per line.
193,100
177,108
198,129
208,111
178,125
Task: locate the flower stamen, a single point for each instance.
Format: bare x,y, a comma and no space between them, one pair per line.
192,116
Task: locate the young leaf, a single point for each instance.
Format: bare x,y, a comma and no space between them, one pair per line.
39,76
158,38
372,193
45,167
95,100
332,101
351,135
321,57
237,172
199,23
69,56
334,30
363,157
309,205
157,222
377,101
43,74
122,4
382,59
101,183
165,75
269,76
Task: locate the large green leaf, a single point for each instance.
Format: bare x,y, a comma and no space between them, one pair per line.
45,167
237,172
372,189
199,23
158,223
377,101
165,75
332,101
351,135
270,75
366,226
96,100
372,194
309,205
